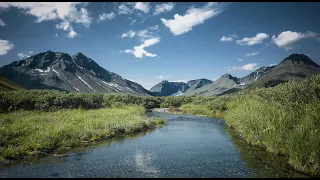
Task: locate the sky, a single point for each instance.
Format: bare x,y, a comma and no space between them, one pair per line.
150,42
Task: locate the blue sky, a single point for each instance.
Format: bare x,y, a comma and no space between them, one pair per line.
150,42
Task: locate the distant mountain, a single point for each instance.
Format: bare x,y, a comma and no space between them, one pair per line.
166,88
224,83
6,85
197,83
227,83
296,66
57,70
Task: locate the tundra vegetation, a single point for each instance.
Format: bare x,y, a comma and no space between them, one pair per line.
285,119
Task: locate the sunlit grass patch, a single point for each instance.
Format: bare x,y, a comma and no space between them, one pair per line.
24,133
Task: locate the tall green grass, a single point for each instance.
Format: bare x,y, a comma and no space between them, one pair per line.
284,120
27,133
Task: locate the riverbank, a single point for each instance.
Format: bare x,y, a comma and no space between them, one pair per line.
283,120
34,133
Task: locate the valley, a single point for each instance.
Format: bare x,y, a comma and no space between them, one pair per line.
62,102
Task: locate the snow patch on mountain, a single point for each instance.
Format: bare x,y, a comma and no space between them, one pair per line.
55,71
85,82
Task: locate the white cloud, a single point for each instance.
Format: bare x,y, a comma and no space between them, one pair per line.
247,67
105,16
2,23
139,52
228,38
252,54
224,38
130,34
56,35
287,38
240,60
72,34
258,39
26,55
142,6
142,34
65,11
163,76
164,7
124,9
5,46
66,26
22,56
193,17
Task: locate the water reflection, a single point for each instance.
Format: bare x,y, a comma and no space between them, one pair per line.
263,163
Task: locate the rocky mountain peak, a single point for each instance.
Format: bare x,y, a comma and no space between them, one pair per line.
300,59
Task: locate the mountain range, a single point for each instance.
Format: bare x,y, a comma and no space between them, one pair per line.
57,70
78,73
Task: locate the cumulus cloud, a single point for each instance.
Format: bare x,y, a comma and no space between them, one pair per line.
66,26
247,67
258,39
5,46
163,76
193,17
139,52
163,8
224,38
2,23
25,55
252,54
65,11
228,38
240,60
287,38
124,9
105,16
142,6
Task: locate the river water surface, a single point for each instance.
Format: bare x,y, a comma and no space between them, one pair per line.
187,146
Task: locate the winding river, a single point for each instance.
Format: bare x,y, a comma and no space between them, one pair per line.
188,146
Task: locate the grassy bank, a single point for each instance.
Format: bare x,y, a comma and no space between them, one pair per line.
284,119
27,133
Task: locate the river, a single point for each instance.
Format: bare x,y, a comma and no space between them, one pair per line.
187,146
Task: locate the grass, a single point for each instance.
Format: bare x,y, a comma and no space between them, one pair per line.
29,133
6,85
285,120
